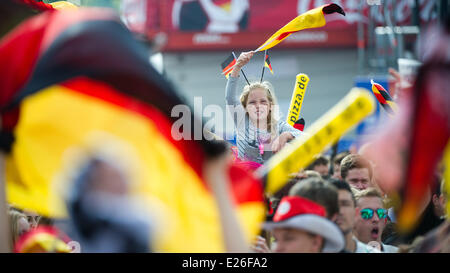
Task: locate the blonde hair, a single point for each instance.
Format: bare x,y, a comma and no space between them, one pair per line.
271,122
369,192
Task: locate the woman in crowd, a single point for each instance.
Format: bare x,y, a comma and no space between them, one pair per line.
259,133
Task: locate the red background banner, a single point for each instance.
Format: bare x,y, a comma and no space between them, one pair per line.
244,24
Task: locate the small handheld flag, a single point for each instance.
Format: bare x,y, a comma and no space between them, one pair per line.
267,63
301,83
228,65
63,5
311,19
300,124
383,97
118,118
351,110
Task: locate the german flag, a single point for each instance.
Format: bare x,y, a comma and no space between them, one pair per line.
77,74
311,19
228,65
267,63
39,6
383,97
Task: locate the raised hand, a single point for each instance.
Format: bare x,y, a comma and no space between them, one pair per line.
260,246
243,59
280,141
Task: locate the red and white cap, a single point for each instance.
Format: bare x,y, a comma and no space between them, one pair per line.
301,213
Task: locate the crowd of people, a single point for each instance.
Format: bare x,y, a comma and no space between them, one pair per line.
344,190
362,212
314,212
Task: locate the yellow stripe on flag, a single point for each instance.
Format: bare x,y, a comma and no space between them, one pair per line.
353,108
393,105
45,243
270,68
447,177
251,215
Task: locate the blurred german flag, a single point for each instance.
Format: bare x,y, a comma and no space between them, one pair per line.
72,74
41,6
429,134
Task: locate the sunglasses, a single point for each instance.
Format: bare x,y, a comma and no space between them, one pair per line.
367,214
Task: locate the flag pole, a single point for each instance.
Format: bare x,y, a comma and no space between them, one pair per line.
242,70
264,65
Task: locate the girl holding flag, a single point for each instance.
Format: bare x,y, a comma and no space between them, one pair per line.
259,133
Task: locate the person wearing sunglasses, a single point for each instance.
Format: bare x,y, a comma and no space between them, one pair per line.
371,218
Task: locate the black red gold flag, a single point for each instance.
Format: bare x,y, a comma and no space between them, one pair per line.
228,65
78,75
383,98
267,63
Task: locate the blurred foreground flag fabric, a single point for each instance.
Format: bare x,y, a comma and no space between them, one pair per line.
41,6
311,19
80,73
